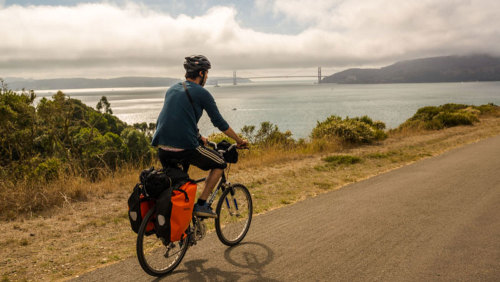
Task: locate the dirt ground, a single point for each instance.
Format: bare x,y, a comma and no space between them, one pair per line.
80,236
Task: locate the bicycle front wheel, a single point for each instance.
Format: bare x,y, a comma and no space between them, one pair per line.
234,214
155,258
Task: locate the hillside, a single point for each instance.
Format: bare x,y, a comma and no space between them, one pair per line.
436,69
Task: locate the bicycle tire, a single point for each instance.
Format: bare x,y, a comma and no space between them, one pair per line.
233,217
152,253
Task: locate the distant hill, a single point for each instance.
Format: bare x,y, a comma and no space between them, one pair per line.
80,83
437,69
77,83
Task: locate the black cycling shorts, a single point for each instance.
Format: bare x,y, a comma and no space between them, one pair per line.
202,157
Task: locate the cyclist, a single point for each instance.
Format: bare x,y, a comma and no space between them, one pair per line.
177,135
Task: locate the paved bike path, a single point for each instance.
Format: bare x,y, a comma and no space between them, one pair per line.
437,219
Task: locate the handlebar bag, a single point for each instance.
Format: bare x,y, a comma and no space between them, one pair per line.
231,155
174,211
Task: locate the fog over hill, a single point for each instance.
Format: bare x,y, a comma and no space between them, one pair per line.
436,69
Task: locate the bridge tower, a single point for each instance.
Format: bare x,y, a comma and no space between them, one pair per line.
234,77
319,75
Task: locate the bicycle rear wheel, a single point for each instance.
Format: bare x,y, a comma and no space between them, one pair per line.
155,258
234,214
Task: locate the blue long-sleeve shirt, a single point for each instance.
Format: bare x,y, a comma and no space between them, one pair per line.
177,123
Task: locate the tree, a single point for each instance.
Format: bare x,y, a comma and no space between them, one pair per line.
137,145
17,125
64,134
103,103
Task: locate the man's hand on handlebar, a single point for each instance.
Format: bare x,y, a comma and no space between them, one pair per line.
243,144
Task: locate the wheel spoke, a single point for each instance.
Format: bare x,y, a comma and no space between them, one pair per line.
234,216
156,258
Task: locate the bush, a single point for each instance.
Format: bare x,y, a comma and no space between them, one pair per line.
447,115
37,142
489,108
248,133
350,130
48,170
137,144
448,119
268,135
342,159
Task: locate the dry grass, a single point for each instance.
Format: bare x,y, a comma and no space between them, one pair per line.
77,236
27,200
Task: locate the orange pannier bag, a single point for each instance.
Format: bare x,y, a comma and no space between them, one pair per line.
182,211
174,210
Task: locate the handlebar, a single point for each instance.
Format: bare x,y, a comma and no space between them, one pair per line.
214,146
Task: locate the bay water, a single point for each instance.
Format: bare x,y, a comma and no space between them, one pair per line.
296,105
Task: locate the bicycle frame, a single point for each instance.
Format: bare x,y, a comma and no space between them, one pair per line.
223,184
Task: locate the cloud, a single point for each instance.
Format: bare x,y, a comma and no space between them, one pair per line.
387,29
110,40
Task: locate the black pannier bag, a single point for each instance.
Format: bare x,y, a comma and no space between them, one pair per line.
134,208
230,156
164,211
138,206
157,181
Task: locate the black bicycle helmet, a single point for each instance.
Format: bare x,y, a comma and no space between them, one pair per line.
196,63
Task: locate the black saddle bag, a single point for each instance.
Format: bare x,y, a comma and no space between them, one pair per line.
157,181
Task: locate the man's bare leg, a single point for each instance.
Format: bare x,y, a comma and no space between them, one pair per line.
212,180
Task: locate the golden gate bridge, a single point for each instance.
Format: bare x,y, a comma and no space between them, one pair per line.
278,76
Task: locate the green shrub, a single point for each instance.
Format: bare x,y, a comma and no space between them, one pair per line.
268,135
17,124
138,149
146,128
64,133
447,115
379,125
384,155
364,119
248,133
488,108
450,119
350,130
342,159
48,170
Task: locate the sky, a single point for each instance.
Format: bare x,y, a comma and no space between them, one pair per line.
112,38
